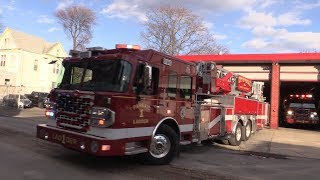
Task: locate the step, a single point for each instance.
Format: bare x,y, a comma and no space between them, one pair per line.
135,150
185,142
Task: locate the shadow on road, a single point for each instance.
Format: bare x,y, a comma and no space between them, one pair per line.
9,111
27,112
303,127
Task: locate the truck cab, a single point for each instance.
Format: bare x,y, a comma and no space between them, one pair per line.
301,109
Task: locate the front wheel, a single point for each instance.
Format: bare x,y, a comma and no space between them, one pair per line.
164,146
235,139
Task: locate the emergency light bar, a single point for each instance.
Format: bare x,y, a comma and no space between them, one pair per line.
301,96
127,46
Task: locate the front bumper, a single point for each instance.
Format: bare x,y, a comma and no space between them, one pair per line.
304,121
81,142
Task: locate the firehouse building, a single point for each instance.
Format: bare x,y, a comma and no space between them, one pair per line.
280,72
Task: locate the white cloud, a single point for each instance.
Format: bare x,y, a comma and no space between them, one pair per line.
136,9
303,5
44,19
285,42
7,6
220,36
254,19
272,33
268,3
290,18
124,10
257,43
267,31
208,25
63,4
53,29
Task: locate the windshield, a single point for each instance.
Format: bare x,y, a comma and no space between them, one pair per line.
102,75
302,105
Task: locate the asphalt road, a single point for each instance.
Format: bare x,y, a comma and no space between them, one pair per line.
25,157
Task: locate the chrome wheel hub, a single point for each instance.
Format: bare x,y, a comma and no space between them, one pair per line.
160,146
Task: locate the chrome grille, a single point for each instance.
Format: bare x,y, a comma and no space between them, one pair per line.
302,114
74,111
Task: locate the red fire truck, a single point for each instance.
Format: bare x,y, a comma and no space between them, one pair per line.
128,101
301,109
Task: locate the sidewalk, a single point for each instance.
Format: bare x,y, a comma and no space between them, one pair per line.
283,141
29,112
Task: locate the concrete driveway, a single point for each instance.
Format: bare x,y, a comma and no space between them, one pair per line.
283,141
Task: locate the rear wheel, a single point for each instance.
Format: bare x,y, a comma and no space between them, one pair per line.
235,139
164,146
223,141
246,131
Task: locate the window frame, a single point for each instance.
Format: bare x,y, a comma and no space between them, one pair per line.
35,65
189,90
172,74
3,60
155,79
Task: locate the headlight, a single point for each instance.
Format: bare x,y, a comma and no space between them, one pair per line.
102,117
50,110
314,113
289,112
50,105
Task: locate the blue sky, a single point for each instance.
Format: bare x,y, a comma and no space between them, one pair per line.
244,26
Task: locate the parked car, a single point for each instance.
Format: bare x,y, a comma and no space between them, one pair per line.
38,98
13,101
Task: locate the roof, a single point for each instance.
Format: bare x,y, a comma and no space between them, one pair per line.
256,58
30,43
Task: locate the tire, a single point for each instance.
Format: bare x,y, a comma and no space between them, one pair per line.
246,131
168,139
235,139
224,141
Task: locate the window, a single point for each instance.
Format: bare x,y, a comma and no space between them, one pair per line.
103,75
148,86
3,60
57,70
6,42
172,86
35,65
185,87
53,85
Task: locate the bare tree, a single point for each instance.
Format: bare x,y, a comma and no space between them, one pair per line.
178,31
77,22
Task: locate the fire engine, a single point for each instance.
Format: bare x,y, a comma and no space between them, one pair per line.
301,109
127,101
